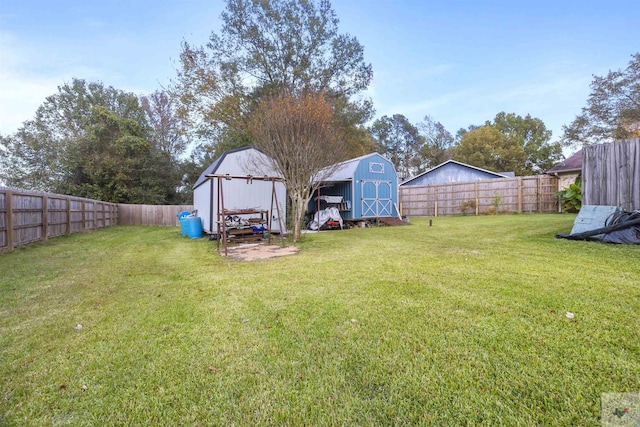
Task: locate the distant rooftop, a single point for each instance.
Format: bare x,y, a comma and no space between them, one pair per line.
570,164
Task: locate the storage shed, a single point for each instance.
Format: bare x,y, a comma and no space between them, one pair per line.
362,188
452,171
240,195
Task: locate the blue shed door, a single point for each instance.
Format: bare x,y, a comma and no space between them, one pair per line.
376,199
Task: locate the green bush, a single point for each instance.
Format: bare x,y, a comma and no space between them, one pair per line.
571,198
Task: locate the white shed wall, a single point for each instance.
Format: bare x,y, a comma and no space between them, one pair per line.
238,193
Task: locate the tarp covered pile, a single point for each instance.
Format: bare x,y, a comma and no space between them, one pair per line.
324,216
620,227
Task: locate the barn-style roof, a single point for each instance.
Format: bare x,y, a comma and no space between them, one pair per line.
213,167
343,171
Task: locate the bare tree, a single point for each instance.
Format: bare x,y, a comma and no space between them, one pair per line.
299,135
438,142
167,130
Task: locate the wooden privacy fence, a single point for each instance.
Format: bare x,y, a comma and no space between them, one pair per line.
611,174
161,215
504,195
30,216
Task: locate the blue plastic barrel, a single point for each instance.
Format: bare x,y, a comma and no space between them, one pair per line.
193,226
181,216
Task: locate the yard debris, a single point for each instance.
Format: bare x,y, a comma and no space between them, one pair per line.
620,227
78,327
245,320
84,388
570,315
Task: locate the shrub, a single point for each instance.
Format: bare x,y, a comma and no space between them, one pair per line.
571,198
468,205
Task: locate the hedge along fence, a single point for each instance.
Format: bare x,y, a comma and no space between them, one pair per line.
161,215
31,216
503,195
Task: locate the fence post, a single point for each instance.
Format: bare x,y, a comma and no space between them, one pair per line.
538,193
475,192
519,195
45,217
68,215
9,212
84,219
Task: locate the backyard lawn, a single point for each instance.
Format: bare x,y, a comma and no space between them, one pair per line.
461,323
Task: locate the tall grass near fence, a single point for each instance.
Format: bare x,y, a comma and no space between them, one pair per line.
460,323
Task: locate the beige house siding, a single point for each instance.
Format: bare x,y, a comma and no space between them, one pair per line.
566,179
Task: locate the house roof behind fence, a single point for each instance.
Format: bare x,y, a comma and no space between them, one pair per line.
570,164
464,165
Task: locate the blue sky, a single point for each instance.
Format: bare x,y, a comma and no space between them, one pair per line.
461,62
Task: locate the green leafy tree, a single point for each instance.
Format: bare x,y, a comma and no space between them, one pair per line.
265,47
38,152
89,140
462,132
533,136
400,142
523,146
32,158
488,148
612,111
114,162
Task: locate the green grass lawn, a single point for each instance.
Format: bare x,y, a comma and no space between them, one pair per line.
461,323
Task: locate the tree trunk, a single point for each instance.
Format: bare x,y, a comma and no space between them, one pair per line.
298,203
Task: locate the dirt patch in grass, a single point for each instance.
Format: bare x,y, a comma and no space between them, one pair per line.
257,251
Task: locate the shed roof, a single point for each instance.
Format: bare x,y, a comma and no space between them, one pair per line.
497,175
213,167
343,171
570,164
